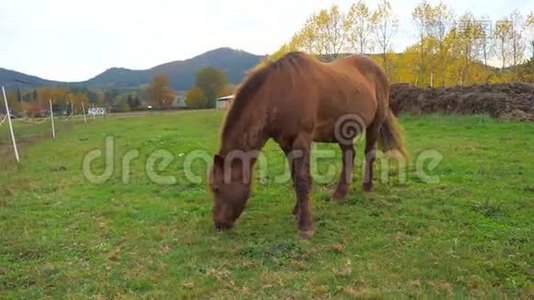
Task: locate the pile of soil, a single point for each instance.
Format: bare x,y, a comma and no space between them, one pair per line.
506,101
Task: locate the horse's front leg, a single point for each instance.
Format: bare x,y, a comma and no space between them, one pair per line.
348,155
300,172
289,156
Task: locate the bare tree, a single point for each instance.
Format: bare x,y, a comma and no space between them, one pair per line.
439,29
386,26
529,29
485,40
469,32
517,40
333,31
359,25
423,16
503,35
324,33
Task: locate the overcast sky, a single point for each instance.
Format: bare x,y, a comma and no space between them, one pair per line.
72,40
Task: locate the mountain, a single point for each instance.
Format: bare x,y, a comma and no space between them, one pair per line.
234,63
8,79
119,78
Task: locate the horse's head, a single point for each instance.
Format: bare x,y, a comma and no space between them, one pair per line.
230,184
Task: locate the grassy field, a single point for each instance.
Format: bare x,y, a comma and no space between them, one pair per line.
64,237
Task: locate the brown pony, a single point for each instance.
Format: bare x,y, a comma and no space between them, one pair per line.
298,100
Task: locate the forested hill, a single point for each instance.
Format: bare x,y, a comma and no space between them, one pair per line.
182,73
8,78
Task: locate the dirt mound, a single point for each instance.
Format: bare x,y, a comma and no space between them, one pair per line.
506,101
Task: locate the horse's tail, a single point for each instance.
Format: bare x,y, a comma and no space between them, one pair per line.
391,135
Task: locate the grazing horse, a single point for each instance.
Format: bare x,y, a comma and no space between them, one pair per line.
298,100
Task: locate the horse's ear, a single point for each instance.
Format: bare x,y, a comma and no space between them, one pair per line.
218,161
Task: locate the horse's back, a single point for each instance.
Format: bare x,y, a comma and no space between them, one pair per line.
309,96
353,91
367,74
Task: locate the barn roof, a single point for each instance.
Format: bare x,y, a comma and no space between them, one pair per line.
226,98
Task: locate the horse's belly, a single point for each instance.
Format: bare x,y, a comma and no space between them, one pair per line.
341,128
324,133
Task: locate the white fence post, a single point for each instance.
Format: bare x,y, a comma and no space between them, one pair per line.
84,116
52,119
10,126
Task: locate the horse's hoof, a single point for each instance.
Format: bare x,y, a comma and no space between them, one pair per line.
368,187
338,196
295,214
306,234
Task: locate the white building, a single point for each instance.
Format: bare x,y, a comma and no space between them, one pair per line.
224,102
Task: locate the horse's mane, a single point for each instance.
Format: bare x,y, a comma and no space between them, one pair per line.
255,82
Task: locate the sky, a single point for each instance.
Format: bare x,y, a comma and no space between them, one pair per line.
74,40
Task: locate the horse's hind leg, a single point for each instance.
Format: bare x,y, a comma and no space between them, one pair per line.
348,154
371,137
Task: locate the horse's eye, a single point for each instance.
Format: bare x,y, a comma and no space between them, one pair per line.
215,189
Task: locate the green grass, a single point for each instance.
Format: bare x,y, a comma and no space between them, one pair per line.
468,235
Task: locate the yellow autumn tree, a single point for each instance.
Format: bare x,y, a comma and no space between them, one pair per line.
195,98
386,26
449,50
359,23
159,91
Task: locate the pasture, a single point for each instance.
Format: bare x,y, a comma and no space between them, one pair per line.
470,234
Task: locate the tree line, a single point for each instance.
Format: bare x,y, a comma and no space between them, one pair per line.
210,83
158,94
450,49
70,100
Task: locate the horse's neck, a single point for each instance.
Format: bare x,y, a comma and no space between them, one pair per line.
248,134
